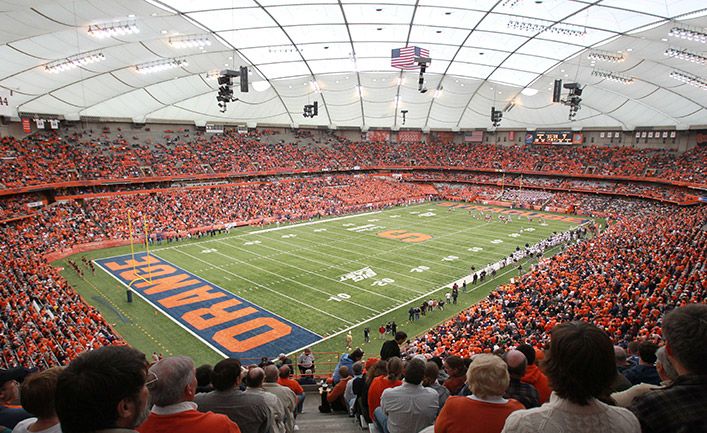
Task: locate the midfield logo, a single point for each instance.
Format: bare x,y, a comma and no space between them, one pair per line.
359,275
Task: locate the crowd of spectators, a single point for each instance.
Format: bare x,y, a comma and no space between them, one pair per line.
621,282
51,157
44,322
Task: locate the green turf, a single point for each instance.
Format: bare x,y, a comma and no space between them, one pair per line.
296,272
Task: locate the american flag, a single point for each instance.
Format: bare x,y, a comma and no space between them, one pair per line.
404,58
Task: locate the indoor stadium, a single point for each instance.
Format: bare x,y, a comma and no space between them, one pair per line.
335,216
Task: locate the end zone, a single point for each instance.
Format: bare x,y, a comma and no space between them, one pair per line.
228,324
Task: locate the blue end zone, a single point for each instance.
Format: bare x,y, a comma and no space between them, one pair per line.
225,322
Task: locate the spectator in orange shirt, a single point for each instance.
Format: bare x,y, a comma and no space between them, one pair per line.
286,380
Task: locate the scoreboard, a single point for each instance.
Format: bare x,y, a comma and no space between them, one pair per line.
554,137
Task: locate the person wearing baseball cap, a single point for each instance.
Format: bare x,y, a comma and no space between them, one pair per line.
10,410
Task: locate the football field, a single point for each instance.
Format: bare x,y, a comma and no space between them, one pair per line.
260,291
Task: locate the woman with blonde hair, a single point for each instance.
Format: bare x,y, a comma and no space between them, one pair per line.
485,410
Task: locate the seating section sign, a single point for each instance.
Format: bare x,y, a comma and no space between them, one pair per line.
554,137
228,324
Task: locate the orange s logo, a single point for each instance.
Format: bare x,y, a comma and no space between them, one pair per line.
404,236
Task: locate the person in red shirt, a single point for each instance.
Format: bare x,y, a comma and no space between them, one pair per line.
174,410
381,383
286,380
485,411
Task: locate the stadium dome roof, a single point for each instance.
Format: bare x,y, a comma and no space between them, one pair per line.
502,53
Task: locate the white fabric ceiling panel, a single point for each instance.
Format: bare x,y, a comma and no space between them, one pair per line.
46,104
440,110
552,10
235,19
447,17
128,105
439,52
659,7
330,66
422,35
23,24
369,14
191,5
382,121
512,77
37,80
378,64
58,45
272,55
268,37
666,101
279,70
124,57
379,95
172,91
495,40
327,50
609,18
300,14
91,91
481,56
460,4
470,70
376,49
636,114
379,80
545,48
371,33
14,61
289,2
310,33
529,63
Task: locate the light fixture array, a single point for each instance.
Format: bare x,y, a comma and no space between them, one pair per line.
102,31
686,55
160,65
690,79
537,26
510,3
613,76
606,56
691,34
74,62
192,41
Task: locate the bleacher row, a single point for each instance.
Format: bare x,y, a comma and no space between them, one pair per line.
52,157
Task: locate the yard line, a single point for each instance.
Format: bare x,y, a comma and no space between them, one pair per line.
299,283
315,272
264,287
283,227
370,319
395,249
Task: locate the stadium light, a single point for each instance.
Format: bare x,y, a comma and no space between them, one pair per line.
690,79
691,34
606,56
190,41
613,76
539,26
74,62
686,55
102,31
160,65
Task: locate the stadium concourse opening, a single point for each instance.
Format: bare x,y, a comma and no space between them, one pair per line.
320,227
